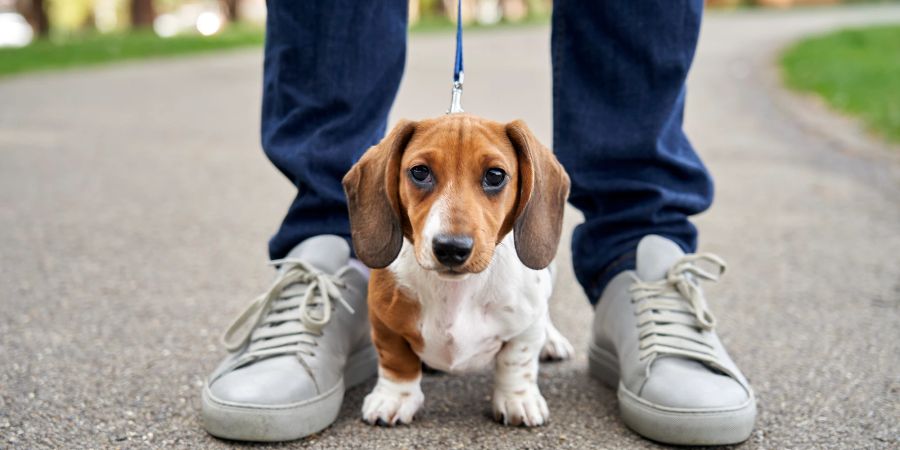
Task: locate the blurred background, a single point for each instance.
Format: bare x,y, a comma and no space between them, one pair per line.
37,35
26,19
22,21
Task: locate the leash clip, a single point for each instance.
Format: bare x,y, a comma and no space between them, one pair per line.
458,76
456,96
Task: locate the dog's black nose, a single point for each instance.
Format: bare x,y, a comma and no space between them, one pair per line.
451,251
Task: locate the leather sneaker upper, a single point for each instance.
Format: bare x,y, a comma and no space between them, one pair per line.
291,344
657,322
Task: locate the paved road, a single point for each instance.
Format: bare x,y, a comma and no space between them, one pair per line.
135,205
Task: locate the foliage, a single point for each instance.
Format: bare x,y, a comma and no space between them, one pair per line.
856,71
68,15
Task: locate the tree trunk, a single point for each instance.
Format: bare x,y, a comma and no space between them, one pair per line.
36,14
142,13
230,8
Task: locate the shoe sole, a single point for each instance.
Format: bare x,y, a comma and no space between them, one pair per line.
266,423
672,425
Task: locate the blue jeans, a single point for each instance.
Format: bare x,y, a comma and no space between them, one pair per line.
332,69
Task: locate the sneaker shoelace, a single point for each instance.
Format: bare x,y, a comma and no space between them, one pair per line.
289,317
673,314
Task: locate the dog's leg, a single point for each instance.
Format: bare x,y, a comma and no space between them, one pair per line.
557,347
397,394
517,399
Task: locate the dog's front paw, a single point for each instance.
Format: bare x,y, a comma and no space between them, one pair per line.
556,347
522,407
392,403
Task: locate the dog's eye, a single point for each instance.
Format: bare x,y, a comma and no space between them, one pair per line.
420,174
494,179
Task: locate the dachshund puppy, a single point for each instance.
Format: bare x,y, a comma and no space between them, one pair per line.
459,217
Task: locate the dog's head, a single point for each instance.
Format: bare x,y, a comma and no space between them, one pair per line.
455,186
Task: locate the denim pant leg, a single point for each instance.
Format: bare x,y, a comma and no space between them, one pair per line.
332,69
619,69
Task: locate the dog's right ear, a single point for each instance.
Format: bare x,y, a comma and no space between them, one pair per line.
373,200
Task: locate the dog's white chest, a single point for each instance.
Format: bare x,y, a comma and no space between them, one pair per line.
460,334
464,323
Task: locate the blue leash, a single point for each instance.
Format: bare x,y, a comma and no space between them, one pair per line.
458,75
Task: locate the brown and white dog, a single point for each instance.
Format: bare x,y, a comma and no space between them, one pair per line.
460,217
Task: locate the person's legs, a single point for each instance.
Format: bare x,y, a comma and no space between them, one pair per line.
619,73
618,82
332,70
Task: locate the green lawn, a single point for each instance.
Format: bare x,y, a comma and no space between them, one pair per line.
95,48
857,71
101,48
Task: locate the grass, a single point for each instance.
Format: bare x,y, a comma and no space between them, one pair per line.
94,48
857,71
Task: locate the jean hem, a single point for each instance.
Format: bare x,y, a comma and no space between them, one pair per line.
626,261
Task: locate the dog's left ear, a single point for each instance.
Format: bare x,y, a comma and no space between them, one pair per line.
543,190
373,201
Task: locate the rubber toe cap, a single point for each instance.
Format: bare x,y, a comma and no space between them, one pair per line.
275,381
687,384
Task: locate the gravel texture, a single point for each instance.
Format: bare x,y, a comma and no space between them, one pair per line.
135,205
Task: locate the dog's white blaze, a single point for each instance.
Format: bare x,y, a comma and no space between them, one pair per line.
434,225
465,322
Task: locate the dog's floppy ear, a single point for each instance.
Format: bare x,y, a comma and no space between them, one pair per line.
371,187
543,189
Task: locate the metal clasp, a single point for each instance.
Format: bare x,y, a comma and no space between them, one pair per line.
456,96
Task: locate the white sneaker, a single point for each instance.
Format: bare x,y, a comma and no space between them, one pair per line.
294,350
654,340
